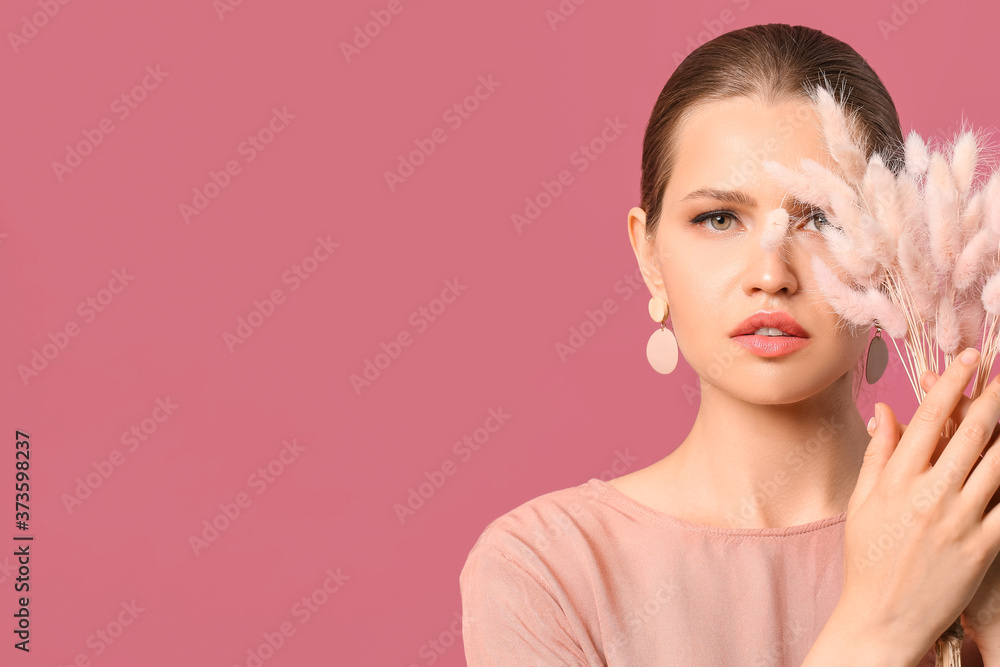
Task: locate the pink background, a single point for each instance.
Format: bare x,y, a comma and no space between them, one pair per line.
331,505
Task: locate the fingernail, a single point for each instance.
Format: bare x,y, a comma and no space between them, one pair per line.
970,356
932,378
873,422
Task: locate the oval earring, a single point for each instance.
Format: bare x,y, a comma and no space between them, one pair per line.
661,350
878,357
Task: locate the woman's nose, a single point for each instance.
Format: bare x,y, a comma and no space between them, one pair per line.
769,256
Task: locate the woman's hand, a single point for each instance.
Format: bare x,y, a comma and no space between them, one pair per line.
981,617
927,380
916,545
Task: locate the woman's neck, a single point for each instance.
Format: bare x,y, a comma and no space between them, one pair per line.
765,466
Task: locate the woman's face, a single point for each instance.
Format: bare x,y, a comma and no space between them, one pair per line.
714,272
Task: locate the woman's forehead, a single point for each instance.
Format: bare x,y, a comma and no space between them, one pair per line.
723,144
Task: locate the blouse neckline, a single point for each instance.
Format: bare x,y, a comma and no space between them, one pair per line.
622,499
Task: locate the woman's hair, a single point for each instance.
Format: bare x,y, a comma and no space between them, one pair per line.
768,64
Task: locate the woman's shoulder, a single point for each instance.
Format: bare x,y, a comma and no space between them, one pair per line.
541,513
552,522
528,583
537,544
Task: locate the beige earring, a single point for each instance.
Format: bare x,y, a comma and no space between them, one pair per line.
661,350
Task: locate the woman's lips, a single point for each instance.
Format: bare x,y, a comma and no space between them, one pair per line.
771,346
777,319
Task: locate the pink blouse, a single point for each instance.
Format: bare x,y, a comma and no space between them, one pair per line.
588,576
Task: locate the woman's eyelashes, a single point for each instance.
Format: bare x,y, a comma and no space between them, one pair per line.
726,220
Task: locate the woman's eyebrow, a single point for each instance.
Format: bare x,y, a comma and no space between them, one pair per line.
736,197
740,198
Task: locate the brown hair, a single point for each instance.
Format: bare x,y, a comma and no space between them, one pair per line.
767,63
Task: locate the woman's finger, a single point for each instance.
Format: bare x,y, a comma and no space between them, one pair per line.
928,421
885,438
927,380
969,441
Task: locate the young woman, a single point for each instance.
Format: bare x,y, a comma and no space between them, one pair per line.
781,531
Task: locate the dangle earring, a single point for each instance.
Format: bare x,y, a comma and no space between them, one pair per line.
878,357
661,350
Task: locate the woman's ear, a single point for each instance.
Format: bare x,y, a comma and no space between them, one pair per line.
644,249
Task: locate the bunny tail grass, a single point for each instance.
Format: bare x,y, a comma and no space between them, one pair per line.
797,184
991,295
883,311
975,259
775,229
842,138
971,317
965,155
991,203
941,198
949,330
917,158
852,305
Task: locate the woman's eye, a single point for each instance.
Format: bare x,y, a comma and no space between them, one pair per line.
716,217
820,218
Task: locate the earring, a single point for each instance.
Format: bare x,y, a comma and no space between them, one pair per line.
661,350
878,357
